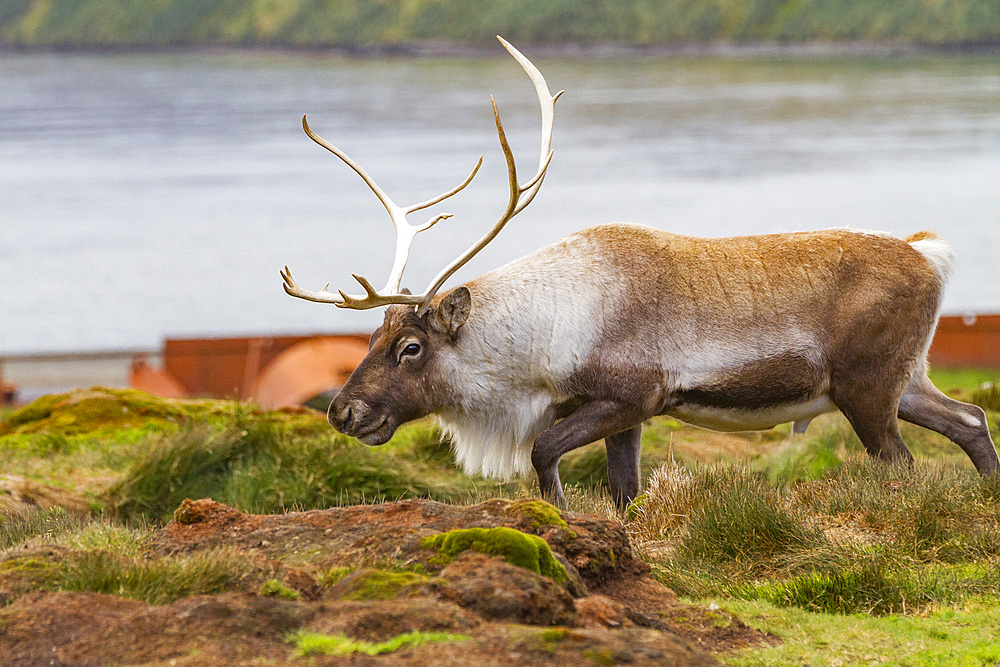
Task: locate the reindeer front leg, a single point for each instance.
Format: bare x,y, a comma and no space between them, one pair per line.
589,423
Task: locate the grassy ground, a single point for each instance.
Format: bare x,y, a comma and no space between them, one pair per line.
966,634
845,560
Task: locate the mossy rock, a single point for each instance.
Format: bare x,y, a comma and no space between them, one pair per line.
370,584
540,514
26,564
276,589
520,549
100,408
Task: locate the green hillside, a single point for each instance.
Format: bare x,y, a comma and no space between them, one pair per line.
365,24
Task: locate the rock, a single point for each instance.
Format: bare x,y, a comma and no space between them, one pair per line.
600,611
499,591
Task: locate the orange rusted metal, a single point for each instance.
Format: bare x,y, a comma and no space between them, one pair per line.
307,369
237,367
144,377
226,367
971,341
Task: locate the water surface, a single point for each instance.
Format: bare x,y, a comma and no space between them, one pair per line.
144,196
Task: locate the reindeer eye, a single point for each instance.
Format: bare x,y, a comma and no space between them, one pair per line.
410,350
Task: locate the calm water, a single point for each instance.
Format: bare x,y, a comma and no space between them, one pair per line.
152,196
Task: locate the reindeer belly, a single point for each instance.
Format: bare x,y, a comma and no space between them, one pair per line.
759,394
738,419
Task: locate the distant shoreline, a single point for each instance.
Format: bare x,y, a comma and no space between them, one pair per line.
590,28
417,50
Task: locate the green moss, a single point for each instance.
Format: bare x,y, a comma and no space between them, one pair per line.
600,656
540,513
311,643
551,638
331,576
554,634
100,408
528,551
380,584
35,411
276,589
26,564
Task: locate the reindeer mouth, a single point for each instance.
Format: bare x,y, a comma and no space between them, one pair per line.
379,434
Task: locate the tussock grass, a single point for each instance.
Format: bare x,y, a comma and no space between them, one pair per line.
930,512
721,512
987,397
745,525
159,581
58,527
870,587
262,466
865,537
102,556
17,529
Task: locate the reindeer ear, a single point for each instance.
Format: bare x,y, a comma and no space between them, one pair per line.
452,312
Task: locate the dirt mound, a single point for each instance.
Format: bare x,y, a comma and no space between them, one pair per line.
409,582
593,548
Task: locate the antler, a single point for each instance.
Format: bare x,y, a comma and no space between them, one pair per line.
405,233
515,204
520,197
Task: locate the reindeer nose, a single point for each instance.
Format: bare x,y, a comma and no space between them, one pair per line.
344,413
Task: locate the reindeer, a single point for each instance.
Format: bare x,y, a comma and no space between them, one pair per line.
592,335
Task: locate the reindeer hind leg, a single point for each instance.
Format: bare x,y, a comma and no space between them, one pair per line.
623,465
872,412
965,425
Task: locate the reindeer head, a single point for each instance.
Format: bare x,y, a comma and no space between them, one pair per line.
397,381
394,384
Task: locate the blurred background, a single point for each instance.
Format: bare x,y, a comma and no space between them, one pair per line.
154,176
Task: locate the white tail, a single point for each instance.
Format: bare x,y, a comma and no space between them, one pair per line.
935,250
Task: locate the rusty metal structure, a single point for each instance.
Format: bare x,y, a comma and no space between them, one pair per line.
280,371
969,341
272,371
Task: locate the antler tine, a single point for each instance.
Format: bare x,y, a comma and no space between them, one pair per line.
516,202
546,102
292,289
458,188
390,205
